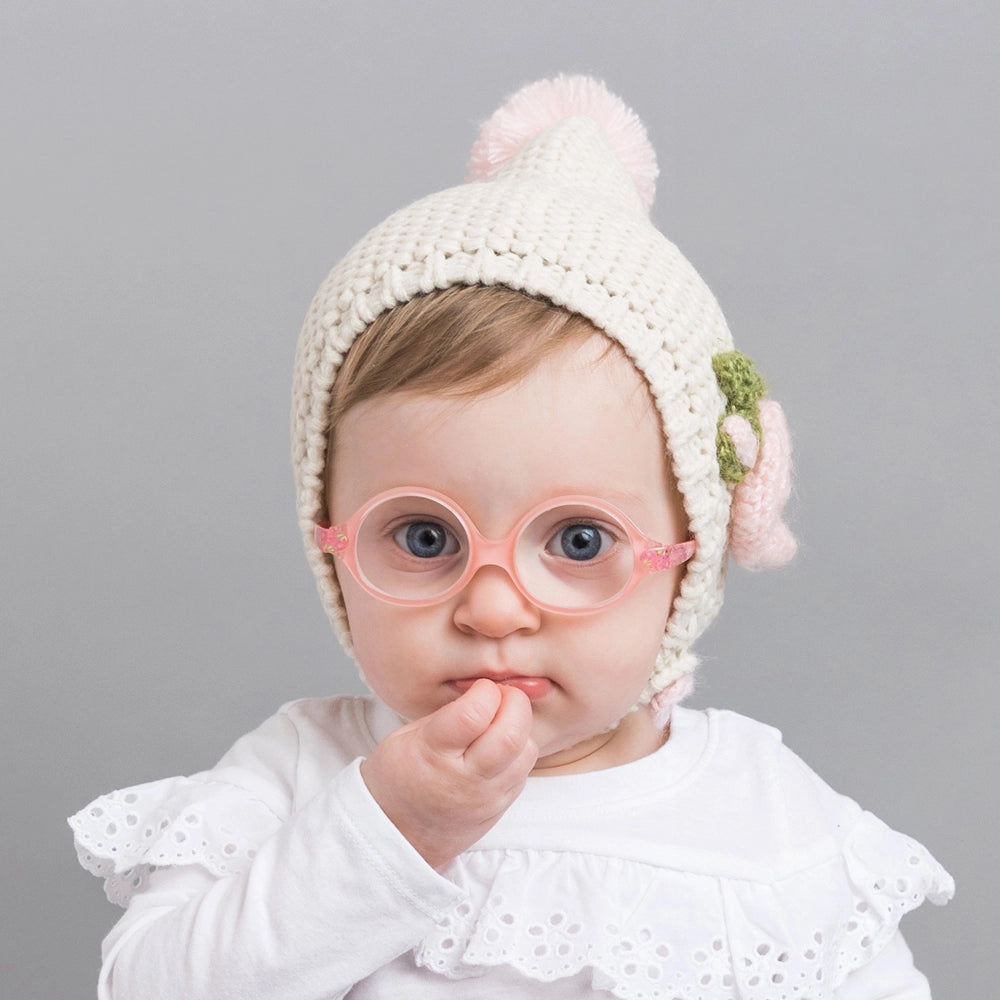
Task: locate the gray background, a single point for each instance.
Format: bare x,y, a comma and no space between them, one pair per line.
178,178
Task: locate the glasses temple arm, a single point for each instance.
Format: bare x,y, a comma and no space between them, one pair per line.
668,556
331,540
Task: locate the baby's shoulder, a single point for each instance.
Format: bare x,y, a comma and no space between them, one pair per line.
288,758
341,725
747,744
217,818
768,797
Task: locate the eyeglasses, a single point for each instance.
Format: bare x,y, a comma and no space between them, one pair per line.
570,554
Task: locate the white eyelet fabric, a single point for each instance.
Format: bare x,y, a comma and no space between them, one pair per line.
552,915
124,835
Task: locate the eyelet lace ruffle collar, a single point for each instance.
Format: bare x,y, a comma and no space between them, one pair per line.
122,836
552,915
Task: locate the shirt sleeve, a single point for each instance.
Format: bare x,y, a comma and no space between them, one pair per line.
890,975
334,895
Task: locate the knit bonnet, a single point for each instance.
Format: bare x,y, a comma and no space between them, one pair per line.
556,206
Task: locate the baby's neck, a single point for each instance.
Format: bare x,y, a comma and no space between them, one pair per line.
635,737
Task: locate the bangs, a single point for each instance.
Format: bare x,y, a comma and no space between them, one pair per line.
464,341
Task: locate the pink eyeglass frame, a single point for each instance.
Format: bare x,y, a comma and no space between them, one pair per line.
650,556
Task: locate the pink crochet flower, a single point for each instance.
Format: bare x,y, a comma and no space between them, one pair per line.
758,537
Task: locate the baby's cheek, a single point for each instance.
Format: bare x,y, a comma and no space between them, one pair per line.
401,656
635,644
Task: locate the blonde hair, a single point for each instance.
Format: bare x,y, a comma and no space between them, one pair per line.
464,341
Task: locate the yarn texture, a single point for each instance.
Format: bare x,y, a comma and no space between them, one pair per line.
534,108
759,538
743,389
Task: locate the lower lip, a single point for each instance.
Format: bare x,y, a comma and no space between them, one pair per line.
535,688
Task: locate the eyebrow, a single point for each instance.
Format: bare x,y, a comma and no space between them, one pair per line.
622,497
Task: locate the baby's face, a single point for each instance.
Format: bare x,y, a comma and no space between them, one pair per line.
579,424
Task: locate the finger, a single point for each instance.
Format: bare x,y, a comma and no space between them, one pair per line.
521,766
502,744
452,728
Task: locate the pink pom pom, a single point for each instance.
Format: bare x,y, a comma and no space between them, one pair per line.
758,537
540,105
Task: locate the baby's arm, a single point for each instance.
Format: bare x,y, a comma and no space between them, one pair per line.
446,779
336,894
344,887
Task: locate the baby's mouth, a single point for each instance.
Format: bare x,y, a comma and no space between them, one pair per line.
535,688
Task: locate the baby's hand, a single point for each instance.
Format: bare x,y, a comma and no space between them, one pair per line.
444,780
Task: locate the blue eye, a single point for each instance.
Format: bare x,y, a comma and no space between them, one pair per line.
426,540
581,542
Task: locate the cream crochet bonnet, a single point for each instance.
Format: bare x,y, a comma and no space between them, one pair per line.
560,184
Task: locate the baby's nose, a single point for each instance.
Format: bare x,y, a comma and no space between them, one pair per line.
491,604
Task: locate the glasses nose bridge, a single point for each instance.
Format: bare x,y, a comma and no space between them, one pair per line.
499,552
492,552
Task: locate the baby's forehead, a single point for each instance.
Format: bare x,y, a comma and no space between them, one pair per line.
583,411
589,378
464,340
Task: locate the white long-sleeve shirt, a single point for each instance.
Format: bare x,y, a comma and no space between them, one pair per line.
718,867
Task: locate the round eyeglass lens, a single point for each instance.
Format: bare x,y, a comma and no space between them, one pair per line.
574,556
411,548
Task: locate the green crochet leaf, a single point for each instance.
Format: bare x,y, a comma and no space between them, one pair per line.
743,388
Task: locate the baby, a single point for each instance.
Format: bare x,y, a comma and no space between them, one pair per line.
525,448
